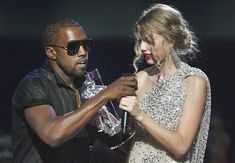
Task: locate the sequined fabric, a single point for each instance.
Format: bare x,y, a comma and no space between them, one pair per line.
164,104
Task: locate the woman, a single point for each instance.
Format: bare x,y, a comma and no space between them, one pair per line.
172,106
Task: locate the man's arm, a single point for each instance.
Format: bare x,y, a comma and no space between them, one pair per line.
54,130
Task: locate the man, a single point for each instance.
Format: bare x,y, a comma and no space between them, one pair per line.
50,123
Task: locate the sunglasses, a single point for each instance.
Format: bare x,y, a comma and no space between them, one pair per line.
74,46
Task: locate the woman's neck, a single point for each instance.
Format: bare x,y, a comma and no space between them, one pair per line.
166,68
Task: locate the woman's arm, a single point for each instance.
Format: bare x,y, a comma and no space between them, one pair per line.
179,142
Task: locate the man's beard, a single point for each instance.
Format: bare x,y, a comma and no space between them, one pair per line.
76,72
79,77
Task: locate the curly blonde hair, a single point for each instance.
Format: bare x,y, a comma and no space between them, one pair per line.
169,23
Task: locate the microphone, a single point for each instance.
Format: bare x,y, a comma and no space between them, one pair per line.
125,115
125,120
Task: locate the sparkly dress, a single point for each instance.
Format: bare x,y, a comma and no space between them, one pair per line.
164,104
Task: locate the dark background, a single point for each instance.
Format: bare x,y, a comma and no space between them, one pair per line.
110,23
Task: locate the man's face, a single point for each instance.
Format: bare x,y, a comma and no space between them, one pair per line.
72,66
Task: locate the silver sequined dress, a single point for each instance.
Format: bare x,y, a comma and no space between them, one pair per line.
164,104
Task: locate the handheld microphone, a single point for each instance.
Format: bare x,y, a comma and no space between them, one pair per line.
125,114
125,120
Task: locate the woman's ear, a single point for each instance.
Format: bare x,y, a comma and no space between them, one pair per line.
50,52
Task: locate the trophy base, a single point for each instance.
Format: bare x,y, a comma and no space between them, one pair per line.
120,138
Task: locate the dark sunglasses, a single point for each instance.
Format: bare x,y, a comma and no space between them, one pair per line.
74,46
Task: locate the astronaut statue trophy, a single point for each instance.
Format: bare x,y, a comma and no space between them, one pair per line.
108,120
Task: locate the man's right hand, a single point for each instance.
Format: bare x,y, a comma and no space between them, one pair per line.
124,86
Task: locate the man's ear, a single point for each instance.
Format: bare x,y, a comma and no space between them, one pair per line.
50,52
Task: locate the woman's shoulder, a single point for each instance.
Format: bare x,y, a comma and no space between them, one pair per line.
144,74
193,71
194,74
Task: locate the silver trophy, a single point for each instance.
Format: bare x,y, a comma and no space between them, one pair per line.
107,121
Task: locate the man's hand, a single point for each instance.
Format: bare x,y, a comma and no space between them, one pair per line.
124,86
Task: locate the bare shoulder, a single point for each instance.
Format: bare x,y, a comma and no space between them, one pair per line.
196,82
195,79
141,76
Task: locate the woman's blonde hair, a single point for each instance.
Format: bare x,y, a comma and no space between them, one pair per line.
169,23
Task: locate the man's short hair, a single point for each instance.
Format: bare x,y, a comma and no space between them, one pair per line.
50,31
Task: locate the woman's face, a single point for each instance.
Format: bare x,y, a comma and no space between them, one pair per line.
157,51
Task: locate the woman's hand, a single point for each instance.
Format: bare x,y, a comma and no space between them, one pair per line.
130,104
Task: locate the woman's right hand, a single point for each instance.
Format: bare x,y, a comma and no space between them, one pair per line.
131,105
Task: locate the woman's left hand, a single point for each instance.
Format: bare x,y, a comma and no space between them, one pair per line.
130,104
